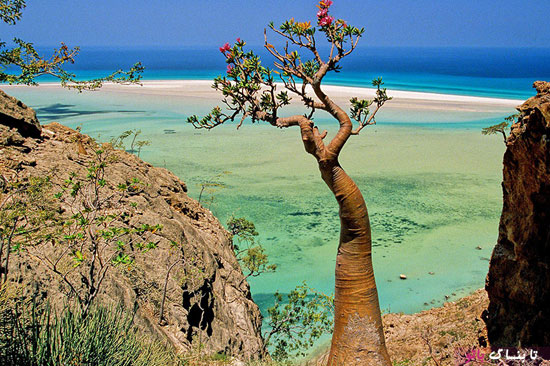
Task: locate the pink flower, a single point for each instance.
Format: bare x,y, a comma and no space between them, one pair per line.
322,13
325,3
238,40
326,21
229,68
226,47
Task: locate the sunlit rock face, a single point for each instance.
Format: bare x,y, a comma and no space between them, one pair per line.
518,282
212,305
15,114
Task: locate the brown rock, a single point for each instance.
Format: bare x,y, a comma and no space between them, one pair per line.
15,114
215,309
518,282
10,136
542,87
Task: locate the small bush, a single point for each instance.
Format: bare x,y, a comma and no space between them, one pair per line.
107,336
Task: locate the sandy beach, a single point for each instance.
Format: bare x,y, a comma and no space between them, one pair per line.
341,94
402,100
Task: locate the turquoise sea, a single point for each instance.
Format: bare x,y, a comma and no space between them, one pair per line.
430,179
496,72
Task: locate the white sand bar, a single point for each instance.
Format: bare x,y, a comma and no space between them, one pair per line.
409,100
341,94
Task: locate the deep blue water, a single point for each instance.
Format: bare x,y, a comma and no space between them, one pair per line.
493,72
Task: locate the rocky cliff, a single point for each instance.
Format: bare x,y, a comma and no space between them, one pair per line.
208,299
518,282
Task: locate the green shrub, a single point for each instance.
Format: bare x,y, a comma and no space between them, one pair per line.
106,337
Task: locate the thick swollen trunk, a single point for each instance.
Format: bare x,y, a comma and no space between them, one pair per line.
358,337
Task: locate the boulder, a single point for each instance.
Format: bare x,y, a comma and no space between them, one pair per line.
208,302
15,114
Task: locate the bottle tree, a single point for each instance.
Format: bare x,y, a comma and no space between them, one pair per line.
249,91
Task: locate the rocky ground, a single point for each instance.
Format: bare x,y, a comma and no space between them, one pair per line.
435,336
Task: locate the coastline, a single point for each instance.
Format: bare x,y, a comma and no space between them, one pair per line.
402,100
426,198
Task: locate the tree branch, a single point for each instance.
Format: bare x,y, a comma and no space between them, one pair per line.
311,138
338,141
368,122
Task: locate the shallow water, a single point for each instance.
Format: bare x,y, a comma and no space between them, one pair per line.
494,72
432,189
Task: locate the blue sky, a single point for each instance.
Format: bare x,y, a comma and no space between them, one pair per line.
184,23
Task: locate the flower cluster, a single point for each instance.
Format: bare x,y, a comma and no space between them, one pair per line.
293,28
226,50
303,26
232,55
323,18
226,47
